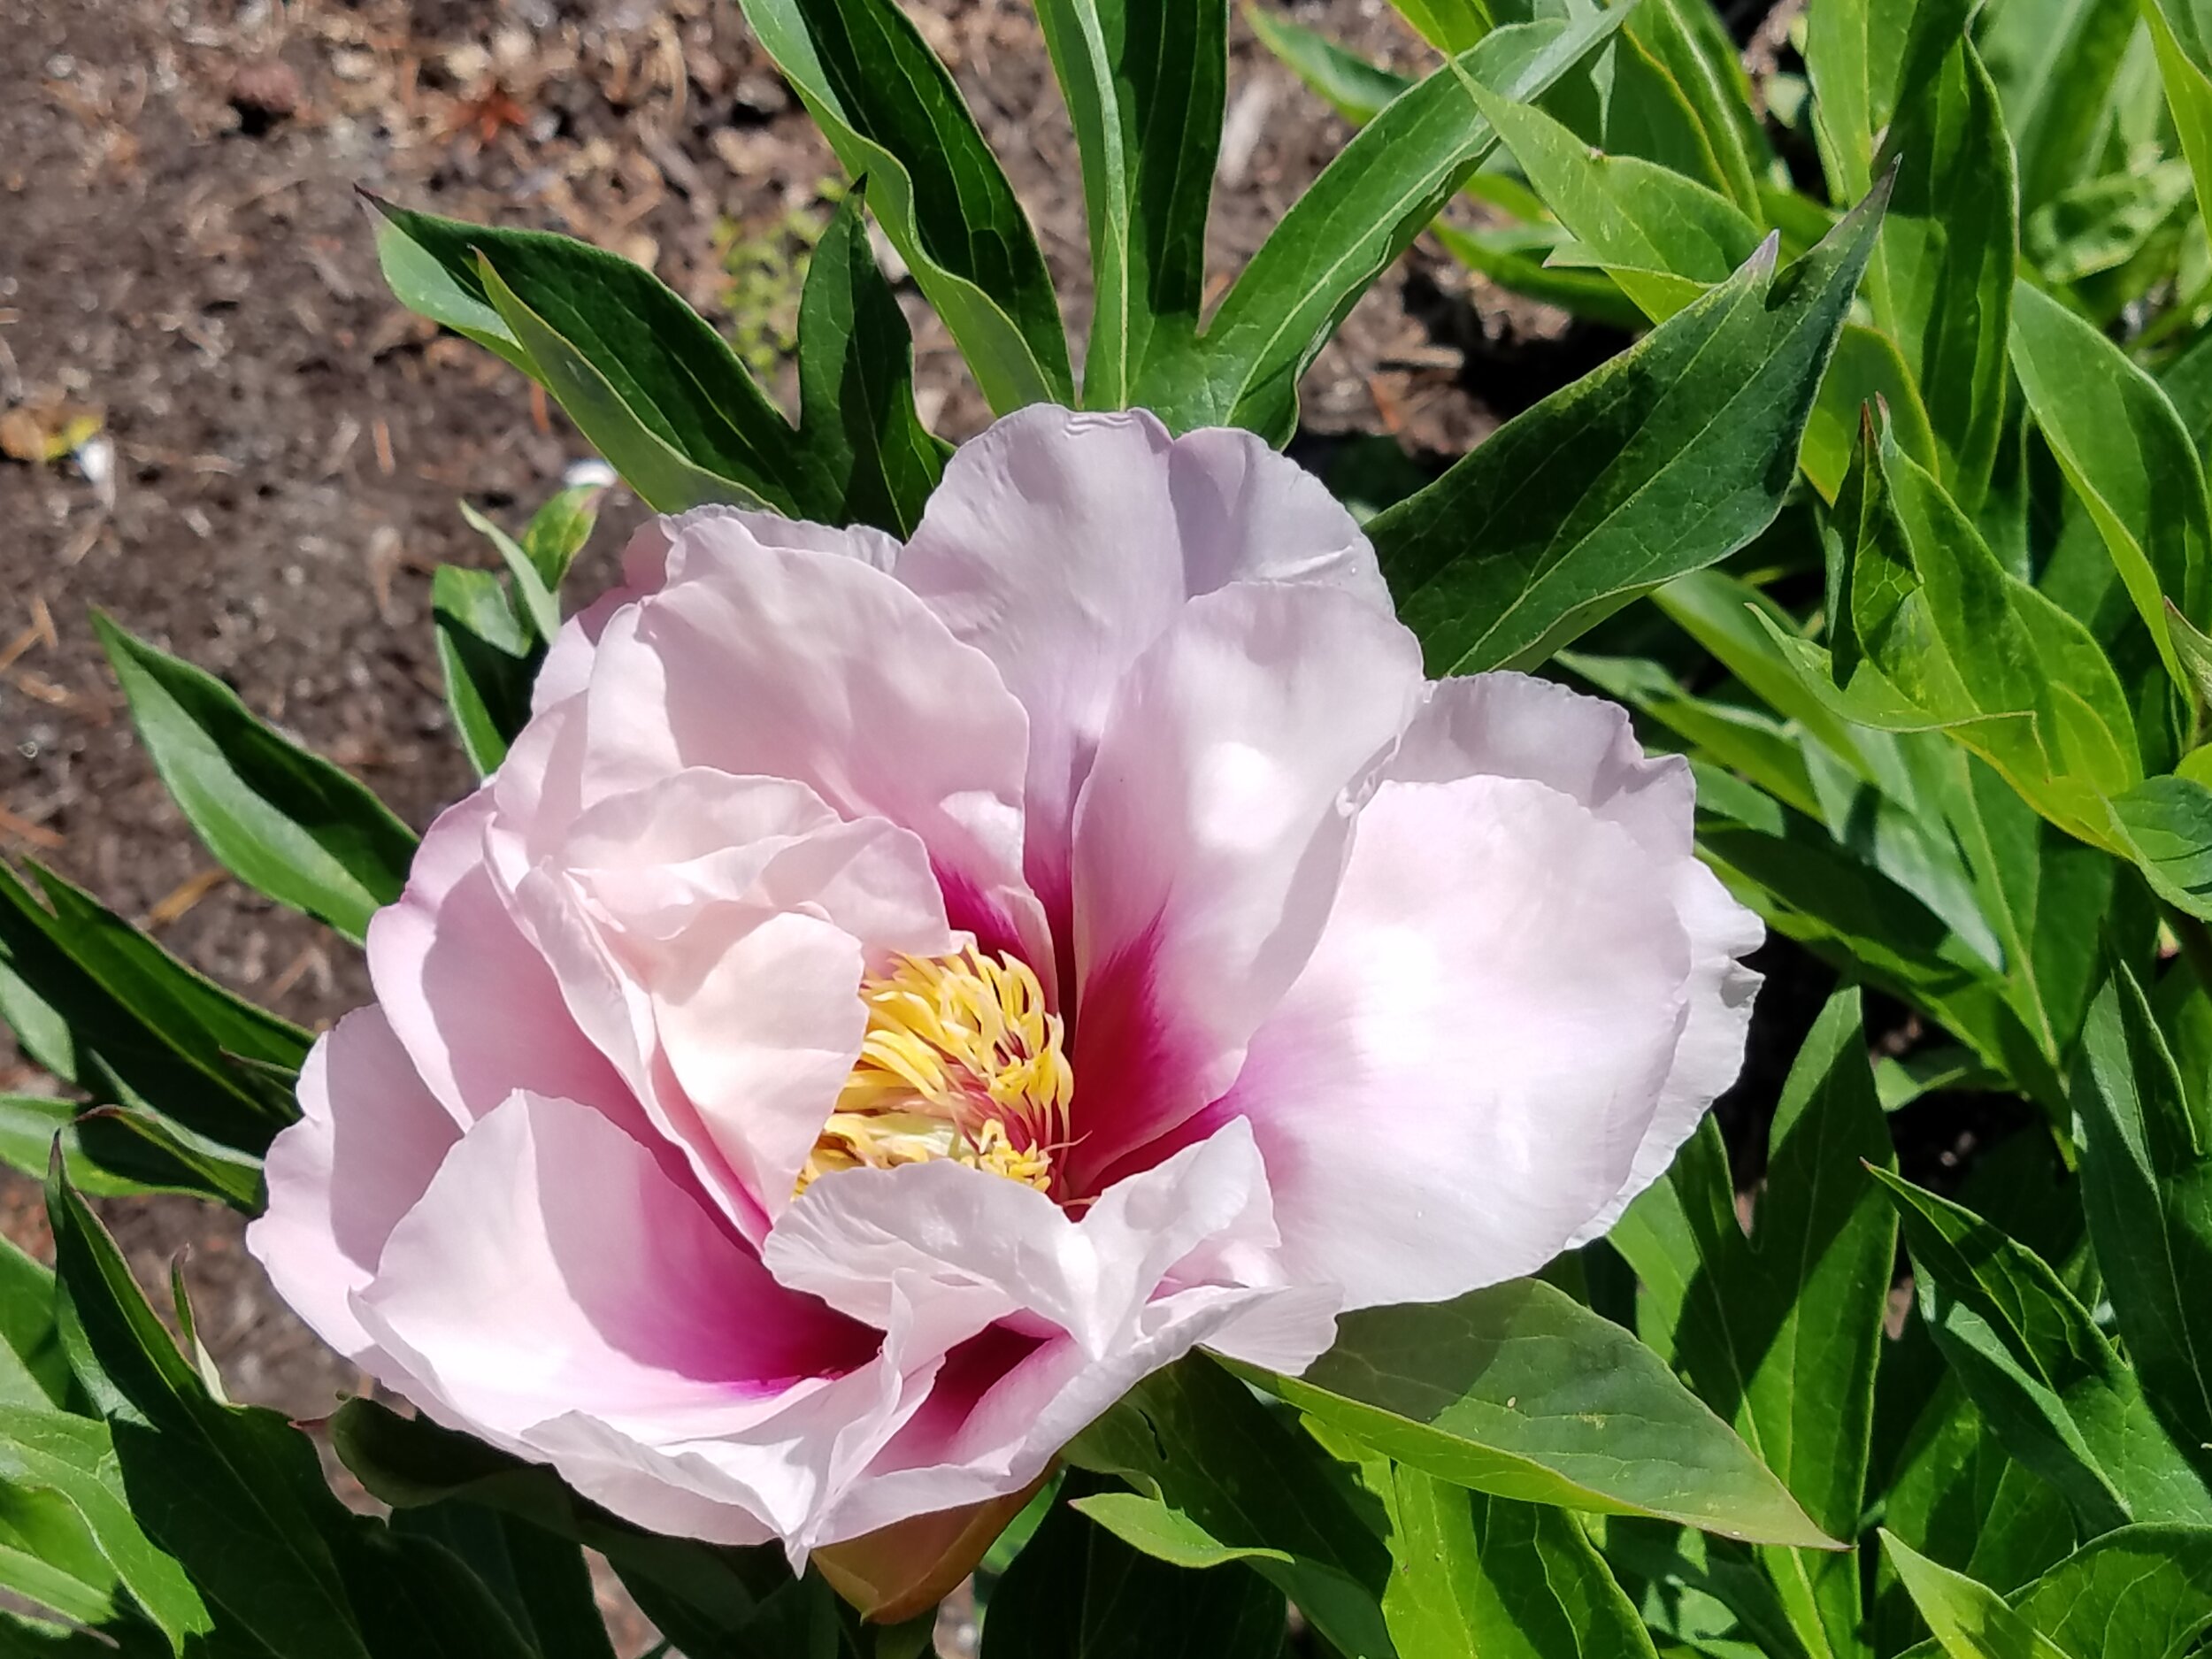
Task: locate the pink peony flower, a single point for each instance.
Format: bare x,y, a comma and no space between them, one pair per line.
893,997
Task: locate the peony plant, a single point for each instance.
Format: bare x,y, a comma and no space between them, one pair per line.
1068,1022
891,999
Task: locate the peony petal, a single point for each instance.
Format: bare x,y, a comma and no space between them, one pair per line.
650,859
1063,544
551,1267
687,542
1209,840
708,539
1706,1061
967,1249
1517,725
1462,1077
474,1004
710,933
810,667
1002,1407
761,1020
364,1110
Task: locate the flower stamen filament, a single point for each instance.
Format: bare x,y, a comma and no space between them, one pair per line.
960,1060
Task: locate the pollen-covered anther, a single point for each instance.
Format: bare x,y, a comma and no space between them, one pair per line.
961,1061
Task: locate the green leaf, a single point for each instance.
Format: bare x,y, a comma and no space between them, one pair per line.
1931,632
2046,895
98,1003
1145,81
1959,1498
2034,1362
1521,1392
2053,62
1899,1082
117,1151
1166,1534
2146,1182
611,412
33,1370
74,1458
1689,43
2165,825
856,382
2102,223
1472,1573
1647,115
1781,1333
434,276
1355,89
237,1495
1450,26
1077,1590
535,599
1664,238
1665,460
1942,275
1349,226
1729,617
1747,740
1195,1439
489,656
1970,1620
282,820
540,1581
1867,371
1845,87
891,111
1512,257
1809,888
647,381
2193,647
410,1462
48,1556
2127,455
2143,1590
557,531
2181,71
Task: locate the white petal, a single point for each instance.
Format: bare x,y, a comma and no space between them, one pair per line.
1063,544
1461,1079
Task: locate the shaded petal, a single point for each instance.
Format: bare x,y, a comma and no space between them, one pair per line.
650,859
1463,1075
474,1002
811,666
551,1267
364,1110
965,1247
1063,544
710,932
761,1021
553,1294
1209,840
1002,1407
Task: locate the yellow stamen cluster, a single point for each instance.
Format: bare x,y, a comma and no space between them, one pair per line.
961,1061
